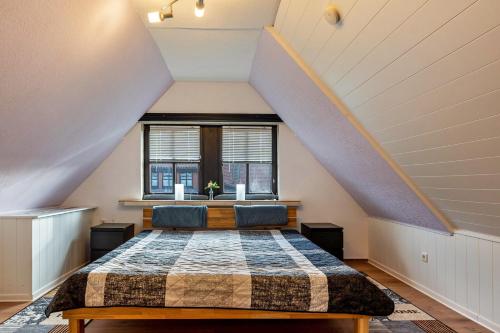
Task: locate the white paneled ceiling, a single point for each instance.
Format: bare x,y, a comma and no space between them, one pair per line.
217,47
423,77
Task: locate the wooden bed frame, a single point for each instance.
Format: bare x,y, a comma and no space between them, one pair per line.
77,316
217,218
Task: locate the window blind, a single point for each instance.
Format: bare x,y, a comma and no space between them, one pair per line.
174,143
247,144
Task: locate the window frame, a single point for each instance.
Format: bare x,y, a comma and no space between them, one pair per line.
205,153
147,164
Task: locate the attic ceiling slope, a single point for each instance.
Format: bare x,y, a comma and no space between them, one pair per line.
422,78
74,78
295,95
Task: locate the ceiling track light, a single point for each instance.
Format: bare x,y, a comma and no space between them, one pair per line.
168,12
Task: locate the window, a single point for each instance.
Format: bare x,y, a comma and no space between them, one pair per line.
173,152
168,179
188,174
247,158
232,174
161,178
154,181
194,155
260,176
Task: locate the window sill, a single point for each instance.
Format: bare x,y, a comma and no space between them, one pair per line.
210,203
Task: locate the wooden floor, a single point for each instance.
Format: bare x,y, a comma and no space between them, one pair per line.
434,308
9,309
454,320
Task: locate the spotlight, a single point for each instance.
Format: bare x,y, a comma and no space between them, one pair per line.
162,15
199,8
167,12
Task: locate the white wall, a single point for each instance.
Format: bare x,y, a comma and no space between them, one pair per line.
301,177
463,270
118,177
211,97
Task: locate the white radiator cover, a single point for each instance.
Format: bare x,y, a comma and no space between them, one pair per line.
40,248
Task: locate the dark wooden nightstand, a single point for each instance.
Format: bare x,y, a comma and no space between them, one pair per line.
328,236
107,237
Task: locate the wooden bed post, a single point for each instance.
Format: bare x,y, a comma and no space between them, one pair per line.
361,325
76,326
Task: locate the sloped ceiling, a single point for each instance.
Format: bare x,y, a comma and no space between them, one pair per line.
422,77
216,47
322,124
75,76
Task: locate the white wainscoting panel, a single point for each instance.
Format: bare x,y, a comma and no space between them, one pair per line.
463,270
38,251
496,285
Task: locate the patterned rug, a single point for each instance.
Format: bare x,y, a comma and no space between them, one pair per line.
32,319
407,318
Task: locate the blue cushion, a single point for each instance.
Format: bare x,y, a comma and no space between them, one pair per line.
179,216
260,215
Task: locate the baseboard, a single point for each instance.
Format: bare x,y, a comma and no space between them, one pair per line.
438,297
41,291
356,259
15,298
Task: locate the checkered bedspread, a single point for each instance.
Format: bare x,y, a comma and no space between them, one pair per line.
262,270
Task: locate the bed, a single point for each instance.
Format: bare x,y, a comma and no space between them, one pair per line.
219,274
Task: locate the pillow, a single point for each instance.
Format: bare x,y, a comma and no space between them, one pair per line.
179,216
260,215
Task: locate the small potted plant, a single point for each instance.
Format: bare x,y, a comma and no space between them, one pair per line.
211,186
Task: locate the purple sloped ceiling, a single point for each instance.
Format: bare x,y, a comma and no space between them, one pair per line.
75,76
332,138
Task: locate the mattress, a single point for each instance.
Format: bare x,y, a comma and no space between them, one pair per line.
238,269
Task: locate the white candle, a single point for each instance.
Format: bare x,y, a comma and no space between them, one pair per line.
240,191
179,191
